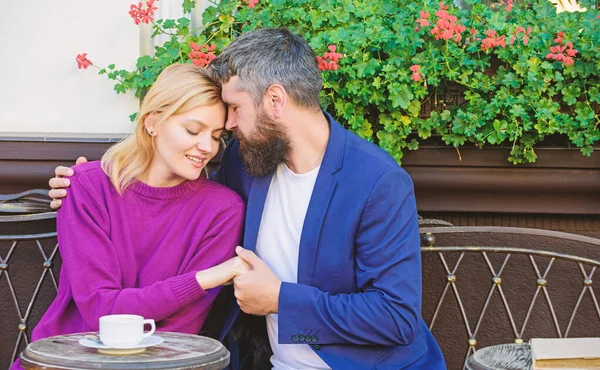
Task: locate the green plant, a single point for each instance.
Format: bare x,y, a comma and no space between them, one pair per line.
486,74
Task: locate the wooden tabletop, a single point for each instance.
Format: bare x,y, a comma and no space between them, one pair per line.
178,351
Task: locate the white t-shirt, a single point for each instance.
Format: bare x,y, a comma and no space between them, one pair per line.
278,244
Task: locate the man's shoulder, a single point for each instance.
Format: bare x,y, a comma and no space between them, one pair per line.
369,157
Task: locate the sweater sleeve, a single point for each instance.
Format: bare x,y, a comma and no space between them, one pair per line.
93,270
217,246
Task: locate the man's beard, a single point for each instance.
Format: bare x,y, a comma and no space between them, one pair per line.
267,147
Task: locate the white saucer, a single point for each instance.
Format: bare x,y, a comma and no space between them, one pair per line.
152,340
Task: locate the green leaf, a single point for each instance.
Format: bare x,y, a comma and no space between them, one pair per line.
594,94
400,95
413,145
570,94
188,5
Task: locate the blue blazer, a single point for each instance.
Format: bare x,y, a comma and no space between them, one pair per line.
357,302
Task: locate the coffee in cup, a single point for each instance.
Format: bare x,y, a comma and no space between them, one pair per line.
122,331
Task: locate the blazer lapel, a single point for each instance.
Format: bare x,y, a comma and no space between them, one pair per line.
319,201
254,209
311,231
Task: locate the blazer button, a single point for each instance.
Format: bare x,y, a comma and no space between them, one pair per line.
301,338
316,346
294,338
315,338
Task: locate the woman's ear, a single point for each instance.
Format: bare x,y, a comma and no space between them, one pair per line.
150,123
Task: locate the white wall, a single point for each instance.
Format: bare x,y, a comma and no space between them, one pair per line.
41,89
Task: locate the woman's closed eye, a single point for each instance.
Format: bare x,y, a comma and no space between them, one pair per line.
194,133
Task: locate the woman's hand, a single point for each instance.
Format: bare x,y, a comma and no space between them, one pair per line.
222,274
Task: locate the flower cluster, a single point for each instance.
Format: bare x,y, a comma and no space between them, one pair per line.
83,61
492,40
526,33
329,61
141,15
416,75
199,57
562,53
509,5
251,3
446,27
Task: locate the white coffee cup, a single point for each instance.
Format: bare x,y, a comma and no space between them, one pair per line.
122,331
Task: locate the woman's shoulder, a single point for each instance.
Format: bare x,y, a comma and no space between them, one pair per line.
89,169
89,175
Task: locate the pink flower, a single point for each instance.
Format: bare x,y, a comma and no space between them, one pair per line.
251,3
83,61
329,60
416,76
423,20
141,15
199,57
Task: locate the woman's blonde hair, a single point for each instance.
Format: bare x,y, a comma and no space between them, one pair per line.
179,88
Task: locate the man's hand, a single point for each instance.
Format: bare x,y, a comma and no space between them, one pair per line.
58,183
257,291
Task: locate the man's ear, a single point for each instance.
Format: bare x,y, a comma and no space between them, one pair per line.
150,123
275,100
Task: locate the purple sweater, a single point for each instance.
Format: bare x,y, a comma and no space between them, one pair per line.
139,253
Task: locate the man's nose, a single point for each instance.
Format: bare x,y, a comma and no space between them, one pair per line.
230,124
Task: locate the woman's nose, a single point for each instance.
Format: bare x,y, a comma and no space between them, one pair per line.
206,144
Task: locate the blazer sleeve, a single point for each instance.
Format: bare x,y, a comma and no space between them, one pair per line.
94,273
386,309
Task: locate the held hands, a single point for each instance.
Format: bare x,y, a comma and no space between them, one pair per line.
58,183
257,291
222,274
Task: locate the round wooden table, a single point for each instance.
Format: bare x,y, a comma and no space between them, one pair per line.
178,351
501,357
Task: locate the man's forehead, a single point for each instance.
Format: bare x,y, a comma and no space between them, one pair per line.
230,89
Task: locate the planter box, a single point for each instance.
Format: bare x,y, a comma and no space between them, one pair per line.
562,181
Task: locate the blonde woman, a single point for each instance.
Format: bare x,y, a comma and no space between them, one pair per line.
141,231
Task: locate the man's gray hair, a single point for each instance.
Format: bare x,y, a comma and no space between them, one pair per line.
268,56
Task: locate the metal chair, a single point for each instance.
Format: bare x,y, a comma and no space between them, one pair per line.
27,228
533,282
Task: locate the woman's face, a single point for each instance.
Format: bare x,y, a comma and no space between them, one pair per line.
184,144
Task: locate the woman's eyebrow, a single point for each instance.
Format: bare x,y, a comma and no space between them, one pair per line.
196,121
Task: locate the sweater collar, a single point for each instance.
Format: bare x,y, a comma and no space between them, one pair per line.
166,193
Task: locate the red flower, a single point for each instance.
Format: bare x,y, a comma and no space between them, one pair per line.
329,60
492,40
446,27
509,5
526,33
557,52
251,3
559,38
141,15
199,57
423,20
83,61
416,76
